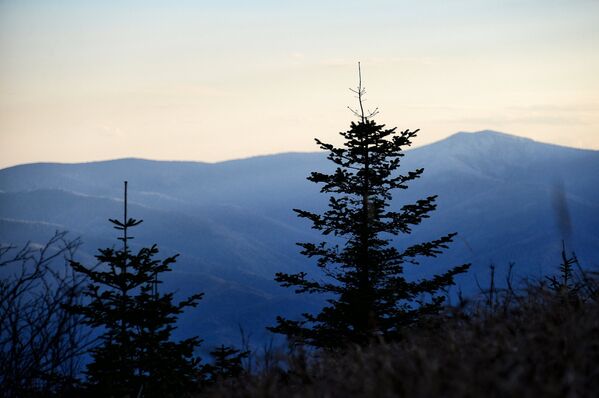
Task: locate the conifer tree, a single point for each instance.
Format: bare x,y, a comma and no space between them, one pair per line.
368,295
136,356
227,363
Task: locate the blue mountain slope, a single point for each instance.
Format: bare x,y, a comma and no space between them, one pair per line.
233,225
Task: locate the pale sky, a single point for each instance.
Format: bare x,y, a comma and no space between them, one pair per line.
216,80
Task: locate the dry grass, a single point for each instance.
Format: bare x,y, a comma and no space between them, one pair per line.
541,342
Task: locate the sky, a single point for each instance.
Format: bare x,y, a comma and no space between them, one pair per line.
217,80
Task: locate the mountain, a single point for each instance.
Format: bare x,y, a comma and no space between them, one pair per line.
511,199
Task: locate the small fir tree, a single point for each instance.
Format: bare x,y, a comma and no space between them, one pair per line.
136,356
568,285
227,363
369,296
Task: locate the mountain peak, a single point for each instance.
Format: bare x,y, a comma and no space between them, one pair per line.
488,135
489,153
480,143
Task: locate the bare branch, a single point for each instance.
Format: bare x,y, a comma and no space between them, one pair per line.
40,341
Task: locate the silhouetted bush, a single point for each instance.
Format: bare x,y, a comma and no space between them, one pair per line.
41,343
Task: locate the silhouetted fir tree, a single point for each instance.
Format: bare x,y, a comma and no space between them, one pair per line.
566,285
227,363
135,356
369,296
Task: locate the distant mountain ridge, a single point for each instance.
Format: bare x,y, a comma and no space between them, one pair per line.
233,225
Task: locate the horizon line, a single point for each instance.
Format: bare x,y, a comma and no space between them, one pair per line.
291,152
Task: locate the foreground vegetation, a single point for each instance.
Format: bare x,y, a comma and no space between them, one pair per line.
541,340
538,339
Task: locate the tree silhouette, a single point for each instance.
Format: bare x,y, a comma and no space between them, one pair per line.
363,276
227,363
136,356
41,343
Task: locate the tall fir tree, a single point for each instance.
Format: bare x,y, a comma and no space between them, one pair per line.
136,356
369,296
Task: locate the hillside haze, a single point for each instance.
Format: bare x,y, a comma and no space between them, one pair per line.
511,200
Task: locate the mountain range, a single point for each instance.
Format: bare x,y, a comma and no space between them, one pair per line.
510,199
